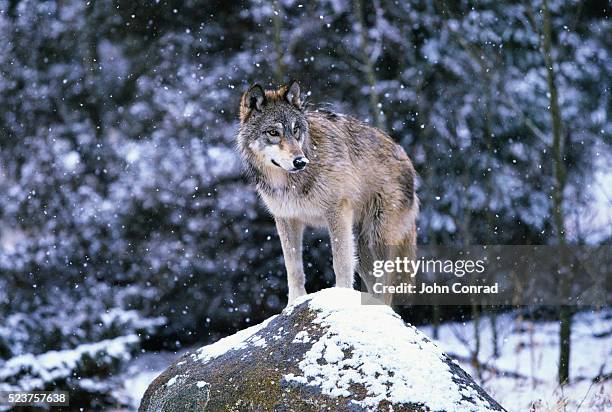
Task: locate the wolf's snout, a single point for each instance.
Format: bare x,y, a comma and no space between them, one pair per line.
300,162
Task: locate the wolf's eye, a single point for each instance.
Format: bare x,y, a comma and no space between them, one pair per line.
296,128
272,132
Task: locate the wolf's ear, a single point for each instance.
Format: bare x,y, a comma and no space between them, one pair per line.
292,95
255,98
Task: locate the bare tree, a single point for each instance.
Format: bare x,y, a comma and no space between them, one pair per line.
565,315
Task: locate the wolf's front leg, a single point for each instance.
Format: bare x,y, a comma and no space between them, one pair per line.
340,222
290,232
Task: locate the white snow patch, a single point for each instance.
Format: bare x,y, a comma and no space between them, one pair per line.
141,371
136,386
71,160
258,341
132,153
301,337
372,347
172,380
236,341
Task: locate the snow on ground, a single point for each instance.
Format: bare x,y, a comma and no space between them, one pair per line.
523,376
141,372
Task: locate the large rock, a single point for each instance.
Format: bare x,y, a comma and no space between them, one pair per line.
326,352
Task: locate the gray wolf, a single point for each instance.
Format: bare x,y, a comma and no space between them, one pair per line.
318,168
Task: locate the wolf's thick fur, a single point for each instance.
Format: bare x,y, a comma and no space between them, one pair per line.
358,183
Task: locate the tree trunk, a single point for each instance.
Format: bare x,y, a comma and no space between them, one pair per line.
476,330
494,336
436,321
565,314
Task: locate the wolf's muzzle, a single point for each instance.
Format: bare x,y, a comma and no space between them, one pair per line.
300,162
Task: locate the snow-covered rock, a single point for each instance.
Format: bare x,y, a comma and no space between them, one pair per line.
328,352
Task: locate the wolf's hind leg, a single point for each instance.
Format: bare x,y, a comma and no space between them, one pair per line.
365,262
405,248
368,252
290,232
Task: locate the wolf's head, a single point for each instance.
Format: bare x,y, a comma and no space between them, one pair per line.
273,128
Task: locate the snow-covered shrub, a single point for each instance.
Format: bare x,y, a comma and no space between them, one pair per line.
85,371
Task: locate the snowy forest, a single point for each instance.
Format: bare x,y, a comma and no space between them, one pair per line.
128,232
